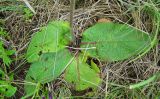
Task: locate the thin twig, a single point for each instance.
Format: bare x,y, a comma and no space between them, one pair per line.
72,8
6,43
81,48
29,6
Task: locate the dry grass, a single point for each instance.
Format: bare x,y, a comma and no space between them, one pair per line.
116,76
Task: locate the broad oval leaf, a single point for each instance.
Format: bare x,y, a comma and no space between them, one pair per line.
114,41
82,77
53,37
47,68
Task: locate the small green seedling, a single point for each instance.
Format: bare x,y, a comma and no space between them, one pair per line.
4,53
6,89
27,14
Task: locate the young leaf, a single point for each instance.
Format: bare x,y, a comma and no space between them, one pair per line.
53,37
4,54
47,68
83,78
2,74
94,67
114,41
6,89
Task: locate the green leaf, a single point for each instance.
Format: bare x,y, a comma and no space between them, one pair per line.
47,68
94,67
114,41
82,78
6,89
53,37
2,32
4,54
2,74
